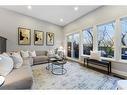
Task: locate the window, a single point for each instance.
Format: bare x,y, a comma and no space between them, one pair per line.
87,41
73,45
69,45
106,39
124,39
76,45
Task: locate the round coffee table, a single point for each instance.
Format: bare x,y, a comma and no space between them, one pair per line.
58,68
2,80
50,60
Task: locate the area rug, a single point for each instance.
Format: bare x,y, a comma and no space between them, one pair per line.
77,77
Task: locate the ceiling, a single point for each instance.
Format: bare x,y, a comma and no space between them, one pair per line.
53,14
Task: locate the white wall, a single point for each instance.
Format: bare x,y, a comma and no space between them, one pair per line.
100,16
10,21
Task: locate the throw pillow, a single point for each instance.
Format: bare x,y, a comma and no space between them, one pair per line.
6,65
32,54
18,61
5,54
25,54
95,55
51,53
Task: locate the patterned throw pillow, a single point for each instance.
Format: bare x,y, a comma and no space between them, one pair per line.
32,53
25,54
18,61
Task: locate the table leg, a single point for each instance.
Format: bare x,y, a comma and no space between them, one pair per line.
84,62
48,67
110,68
52,67
62,69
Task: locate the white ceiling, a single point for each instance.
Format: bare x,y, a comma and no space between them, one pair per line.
53,14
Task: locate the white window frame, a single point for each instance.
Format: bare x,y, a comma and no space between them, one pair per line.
122,60
72,46
113,21
83,39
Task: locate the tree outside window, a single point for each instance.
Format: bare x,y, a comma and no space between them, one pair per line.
87,41
106,39
124,39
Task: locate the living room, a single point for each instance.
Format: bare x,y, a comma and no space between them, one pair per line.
73,34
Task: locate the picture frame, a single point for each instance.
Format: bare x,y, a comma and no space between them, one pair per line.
49,38
38,37
24,36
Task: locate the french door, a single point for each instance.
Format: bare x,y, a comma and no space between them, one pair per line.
73,45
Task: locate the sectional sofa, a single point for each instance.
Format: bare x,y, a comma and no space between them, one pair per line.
22,77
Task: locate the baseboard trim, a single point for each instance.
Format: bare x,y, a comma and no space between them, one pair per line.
121,73
71,59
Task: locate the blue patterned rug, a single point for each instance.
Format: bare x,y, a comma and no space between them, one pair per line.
77,77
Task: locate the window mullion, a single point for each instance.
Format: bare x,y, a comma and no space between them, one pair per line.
117,39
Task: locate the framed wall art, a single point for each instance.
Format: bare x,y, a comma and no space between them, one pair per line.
49,38
24,36
38,37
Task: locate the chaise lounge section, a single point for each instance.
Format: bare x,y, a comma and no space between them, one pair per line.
20,78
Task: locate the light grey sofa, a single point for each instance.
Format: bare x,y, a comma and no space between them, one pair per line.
20,78
41,57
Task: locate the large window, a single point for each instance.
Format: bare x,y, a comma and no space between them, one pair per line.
124,39
69,45
73,45
106,39
87,41
76,45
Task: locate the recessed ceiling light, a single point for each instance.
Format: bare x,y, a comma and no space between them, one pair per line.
76,8
29,7
61,20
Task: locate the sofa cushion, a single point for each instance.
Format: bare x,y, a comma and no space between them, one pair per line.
41,53
32,53
28,61
6,65
6,54
18,61
24,54
40,59
19,78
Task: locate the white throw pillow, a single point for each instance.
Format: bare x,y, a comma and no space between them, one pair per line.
5,54
51,53
18,61
6,65
25,54
32,53
95,55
